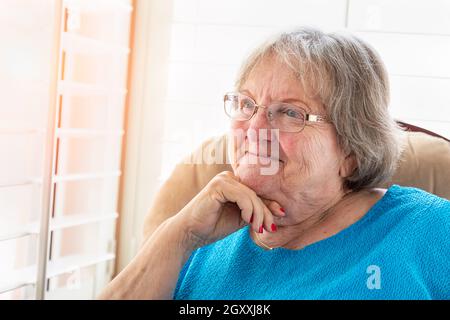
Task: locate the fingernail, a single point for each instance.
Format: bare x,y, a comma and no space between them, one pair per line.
261,229
273,227
251,219
282,210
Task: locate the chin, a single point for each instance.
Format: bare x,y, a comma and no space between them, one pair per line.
250,175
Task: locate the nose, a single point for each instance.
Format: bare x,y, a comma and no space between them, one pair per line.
260,119
259,131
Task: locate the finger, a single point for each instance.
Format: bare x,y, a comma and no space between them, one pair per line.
274,207
244,203
229,175
263,210
234,194
263,217
258,206
258,213
257,218
269,223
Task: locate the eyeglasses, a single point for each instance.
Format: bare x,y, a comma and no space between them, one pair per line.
283,116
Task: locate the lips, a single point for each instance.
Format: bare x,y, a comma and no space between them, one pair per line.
260,150
264,157
257,152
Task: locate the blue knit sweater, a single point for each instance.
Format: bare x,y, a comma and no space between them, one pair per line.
399,250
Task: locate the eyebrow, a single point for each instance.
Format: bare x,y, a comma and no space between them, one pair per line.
287,100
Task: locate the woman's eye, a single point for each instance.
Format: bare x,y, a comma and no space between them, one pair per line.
247,104
293,113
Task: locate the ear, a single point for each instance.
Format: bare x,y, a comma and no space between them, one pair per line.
348,166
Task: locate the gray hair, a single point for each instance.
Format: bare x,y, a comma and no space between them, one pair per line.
351,81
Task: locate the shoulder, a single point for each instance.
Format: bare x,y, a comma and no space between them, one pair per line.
225,246
414,215
206,262
425,217
221,250
417,203
424,237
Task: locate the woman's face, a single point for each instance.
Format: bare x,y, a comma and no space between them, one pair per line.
309,162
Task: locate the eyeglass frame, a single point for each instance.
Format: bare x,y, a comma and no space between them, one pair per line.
308,116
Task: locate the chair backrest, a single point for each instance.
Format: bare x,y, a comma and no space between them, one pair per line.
413,128
425,164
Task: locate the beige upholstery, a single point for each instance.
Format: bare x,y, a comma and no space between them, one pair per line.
425,164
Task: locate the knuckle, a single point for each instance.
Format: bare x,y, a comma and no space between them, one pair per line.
218,180
252,193
246,211
270,205
248,206
228,174
214,183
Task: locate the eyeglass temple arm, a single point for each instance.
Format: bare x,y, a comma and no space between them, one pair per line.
316,118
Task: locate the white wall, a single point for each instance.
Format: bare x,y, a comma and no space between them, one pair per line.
209,39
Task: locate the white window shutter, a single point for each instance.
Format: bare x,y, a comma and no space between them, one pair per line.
59,183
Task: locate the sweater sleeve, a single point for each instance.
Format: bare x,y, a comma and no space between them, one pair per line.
432,231
181,276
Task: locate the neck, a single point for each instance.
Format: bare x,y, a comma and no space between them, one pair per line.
318,222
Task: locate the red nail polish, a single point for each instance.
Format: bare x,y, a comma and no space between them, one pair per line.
261,229
251,219
282,210
273,227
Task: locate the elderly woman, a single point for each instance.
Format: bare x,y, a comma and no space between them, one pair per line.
317,227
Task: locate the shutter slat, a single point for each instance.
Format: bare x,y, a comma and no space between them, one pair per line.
17,183
27,276
71,263
80,219
57,223
17,279
86,176
87,133
98,6
19,232
74,43
20,131
70,88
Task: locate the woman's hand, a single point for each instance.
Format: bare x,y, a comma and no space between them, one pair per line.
224,206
